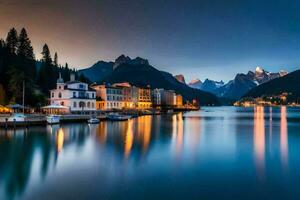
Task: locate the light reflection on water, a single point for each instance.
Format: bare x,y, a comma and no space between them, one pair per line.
241,152
259,139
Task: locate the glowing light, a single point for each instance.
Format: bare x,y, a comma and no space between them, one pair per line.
128,138
144,130
259,139
60,140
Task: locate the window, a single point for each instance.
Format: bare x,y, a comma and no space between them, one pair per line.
74,104
74,94
52,94
93,94
93,105
81,104
62,103
59,95
88,104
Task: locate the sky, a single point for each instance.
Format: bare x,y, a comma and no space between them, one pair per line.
212,39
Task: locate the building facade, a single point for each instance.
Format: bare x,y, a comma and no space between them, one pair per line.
141,98
163,98
179,100
122,96
109,97
73,94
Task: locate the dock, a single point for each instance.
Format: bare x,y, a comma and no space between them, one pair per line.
35,120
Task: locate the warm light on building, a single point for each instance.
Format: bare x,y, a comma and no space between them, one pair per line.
5,109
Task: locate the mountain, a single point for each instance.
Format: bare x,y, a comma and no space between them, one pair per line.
241,84
211,86
208,85
126,59
262,76
180,78
236,88
196,83
289,83
98,71
140,73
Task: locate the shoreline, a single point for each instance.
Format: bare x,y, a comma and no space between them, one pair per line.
40,119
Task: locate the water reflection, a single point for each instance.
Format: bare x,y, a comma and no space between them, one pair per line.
283,137
141,151
128,138
60,139
101,132
177,135
144,125
259,139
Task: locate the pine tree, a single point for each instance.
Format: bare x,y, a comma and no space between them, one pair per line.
46,55
17,77
55,60
25,54
48,73
24,46
12,41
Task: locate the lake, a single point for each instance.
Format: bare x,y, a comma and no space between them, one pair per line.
214,153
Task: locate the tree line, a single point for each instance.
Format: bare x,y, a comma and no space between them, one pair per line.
18,68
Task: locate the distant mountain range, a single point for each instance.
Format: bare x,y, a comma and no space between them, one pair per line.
139,72
239,86
285,84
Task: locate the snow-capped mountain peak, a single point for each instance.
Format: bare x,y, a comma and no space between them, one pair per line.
259,70
196,83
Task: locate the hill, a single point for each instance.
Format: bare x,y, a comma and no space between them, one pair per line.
98,71
289,83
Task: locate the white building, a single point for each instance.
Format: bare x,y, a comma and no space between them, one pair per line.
73,94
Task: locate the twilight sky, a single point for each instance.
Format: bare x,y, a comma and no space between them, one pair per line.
201,39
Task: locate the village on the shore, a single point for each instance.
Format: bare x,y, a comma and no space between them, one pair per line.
76,101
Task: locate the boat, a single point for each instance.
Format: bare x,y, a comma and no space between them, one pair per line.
17,117
118,117
53,119
93,120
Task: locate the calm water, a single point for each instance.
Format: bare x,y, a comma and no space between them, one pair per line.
224,152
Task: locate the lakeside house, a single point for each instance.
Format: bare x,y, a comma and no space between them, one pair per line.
76,95
122,95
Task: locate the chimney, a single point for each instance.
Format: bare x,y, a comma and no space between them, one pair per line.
72,77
